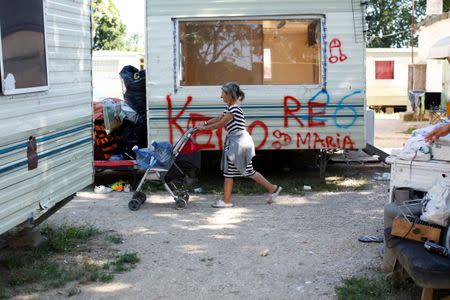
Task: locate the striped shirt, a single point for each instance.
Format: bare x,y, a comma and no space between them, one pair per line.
238,121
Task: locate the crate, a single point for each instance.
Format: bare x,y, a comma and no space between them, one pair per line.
416,230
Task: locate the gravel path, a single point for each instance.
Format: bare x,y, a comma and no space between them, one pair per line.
204,253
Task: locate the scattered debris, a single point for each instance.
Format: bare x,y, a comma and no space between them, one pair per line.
306,187
382,176
264,252
101,189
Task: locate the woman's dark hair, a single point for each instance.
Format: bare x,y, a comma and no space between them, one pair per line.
233,89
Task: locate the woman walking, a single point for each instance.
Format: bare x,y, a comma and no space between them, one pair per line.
239,148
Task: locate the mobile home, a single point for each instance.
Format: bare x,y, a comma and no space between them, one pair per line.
301,64
46,95
387,77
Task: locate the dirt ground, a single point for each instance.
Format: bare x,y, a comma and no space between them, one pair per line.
390,130
205,253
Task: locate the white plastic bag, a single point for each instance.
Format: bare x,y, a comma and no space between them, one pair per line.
437,208
111,112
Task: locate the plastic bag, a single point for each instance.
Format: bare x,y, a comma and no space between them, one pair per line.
135,94
111,112
126,112
163,152
144,157
437,208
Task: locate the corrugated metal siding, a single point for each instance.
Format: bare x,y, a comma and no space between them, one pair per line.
264,105
60,119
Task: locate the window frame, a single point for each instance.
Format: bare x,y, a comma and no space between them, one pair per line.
31,89
177,61
385,61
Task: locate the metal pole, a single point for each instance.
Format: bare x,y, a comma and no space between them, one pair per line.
412,43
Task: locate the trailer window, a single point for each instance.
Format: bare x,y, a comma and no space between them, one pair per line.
23,58
250,52
384,69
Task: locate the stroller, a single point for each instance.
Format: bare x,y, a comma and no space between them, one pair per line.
185,157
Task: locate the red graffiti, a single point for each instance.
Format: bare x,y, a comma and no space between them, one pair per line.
194,120
261,124
315,116
336,44
312,114
290,112
173,122
284,139
315,141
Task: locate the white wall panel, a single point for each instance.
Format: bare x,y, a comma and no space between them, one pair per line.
345,80
60,119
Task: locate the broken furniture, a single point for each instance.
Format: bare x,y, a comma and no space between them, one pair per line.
411,180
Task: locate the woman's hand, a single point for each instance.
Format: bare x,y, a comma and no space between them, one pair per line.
435,134
201,128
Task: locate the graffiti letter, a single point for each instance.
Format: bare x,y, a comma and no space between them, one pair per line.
342,106
330,142
312,114
196,118
306,140
288,111
317,139
266,132
173,121
348,143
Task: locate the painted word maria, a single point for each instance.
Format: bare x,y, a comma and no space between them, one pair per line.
316,141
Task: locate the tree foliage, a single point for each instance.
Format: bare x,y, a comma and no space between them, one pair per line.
446,5
390,22
108,29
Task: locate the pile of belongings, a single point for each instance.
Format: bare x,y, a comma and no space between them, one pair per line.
415,148
121,124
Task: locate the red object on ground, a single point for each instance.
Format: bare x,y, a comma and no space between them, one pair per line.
114,163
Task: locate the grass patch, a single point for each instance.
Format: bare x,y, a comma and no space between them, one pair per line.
377,288
125,262
82,254
290,168
292,181
115,239
409,130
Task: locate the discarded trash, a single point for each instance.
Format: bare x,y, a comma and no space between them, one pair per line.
118,186
127,188
382,176
101,189
198,190
306,187
308,282
264,252
370,239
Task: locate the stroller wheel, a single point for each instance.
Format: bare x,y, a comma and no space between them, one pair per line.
134,204
139,196
180,203
184,196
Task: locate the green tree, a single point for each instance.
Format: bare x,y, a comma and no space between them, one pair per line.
446,5
390,22
133,42
108,29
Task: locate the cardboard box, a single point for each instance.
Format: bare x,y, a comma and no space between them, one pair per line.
420,232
